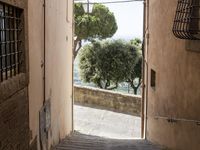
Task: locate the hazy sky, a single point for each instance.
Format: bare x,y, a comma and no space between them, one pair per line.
129,18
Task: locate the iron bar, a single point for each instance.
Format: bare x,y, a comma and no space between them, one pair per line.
5,45
10,38
10,30
1,59
187,20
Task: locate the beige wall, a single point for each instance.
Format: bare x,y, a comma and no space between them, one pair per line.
36,58
58,66
177,91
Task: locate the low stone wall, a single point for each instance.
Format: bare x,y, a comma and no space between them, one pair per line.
98,98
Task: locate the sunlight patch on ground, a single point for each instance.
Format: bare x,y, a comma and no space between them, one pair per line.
105,123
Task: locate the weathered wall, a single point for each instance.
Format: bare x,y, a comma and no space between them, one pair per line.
14,123
58,67
123,103
59,57
36,59
177,91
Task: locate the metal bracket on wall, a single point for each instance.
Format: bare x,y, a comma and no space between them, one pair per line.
175,120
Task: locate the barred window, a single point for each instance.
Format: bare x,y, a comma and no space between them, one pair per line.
11,49
187,20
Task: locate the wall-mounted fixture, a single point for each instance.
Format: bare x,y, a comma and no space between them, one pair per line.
187,20
88,7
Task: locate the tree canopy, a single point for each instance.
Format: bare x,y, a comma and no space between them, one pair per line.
99,24
107,63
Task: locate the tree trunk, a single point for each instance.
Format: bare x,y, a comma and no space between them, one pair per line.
135,90
76,49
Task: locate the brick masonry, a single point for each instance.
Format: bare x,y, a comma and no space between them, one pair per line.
33,145
123,103
14,124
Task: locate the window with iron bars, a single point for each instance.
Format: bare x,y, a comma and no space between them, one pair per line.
187,20
11,49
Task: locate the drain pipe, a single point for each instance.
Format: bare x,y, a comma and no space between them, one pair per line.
44,61
143,73
43,65
147,66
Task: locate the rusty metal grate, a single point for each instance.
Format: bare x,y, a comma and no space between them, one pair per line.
187,20
10,41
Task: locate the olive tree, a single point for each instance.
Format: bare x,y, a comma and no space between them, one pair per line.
135,77
107,63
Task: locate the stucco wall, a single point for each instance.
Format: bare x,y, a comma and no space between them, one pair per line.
36,50
58,67
123,103
59,57
177,91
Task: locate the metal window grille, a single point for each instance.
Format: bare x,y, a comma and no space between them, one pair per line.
10,41
187,20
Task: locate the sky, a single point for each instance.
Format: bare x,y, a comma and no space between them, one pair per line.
129,18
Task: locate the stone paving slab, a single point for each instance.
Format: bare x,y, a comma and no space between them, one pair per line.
87,142
106,123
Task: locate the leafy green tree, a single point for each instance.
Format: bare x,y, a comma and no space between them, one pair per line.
136,70
136,43
107,63
99,24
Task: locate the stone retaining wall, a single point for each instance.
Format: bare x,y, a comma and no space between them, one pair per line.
98,98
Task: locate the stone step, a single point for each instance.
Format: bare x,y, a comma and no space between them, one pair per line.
80,141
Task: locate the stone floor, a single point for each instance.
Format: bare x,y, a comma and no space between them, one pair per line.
105,123
87,142
104,130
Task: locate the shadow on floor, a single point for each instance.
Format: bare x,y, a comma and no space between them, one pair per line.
80,141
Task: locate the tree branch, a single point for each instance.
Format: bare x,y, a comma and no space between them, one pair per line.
77,46
139,83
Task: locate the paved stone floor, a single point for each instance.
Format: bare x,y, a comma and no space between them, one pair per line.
105,123
104,130
87,142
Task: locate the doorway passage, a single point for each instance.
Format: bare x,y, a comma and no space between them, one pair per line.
92,112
